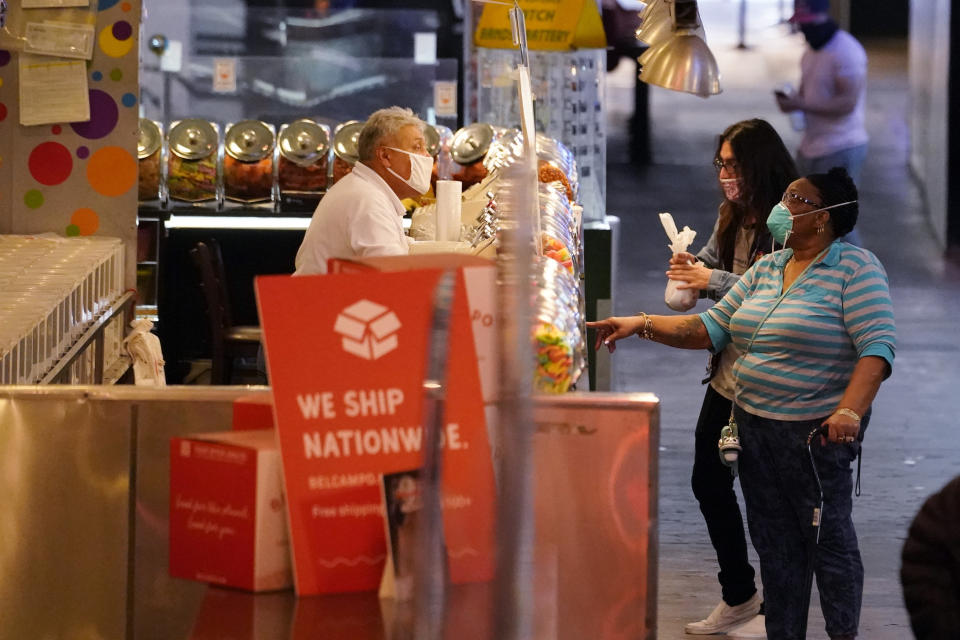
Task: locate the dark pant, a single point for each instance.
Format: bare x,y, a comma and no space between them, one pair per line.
713,487
781,494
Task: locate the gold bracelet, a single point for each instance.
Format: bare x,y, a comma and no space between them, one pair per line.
850,413
646,332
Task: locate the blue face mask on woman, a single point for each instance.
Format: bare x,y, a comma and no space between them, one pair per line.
780,220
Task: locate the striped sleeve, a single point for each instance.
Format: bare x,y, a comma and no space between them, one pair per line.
868,311
717,318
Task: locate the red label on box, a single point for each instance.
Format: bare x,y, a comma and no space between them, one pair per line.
346,356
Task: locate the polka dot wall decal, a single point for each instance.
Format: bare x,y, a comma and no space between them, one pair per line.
4,57
121,30
97,76
50,163
104,113
72,231
3,112
83,152
1,82
126,6
112,171
56,129
113,46
86,220
128,100
33,199
116,75
106,4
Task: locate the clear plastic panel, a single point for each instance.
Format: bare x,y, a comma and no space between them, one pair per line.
568,89
330,88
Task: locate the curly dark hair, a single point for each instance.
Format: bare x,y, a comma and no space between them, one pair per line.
766,168
836,186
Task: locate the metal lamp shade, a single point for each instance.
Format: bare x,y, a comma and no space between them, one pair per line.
682,63
656,23
655,32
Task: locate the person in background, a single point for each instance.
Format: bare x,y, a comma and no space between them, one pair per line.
754,168
930,568
815,330
832,95
361,215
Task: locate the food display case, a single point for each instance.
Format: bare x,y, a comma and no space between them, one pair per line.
346,150
149,161
303,162
248,162
192,168
468,149
484,152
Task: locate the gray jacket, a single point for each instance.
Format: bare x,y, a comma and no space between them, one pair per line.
720,281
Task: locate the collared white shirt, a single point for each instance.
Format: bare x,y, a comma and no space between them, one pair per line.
359,216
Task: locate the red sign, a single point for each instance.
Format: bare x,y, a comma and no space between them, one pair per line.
347,360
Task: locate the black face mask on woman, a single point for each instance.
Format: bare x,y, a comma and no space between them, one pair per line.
818,35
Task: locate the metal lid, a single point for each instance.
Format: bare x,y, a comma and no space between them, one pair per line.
303,142
432,136
471,143
192,139
345,141
249,140
149,139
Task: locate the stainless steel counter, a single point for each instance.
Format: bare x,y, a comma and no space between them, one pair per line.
84,473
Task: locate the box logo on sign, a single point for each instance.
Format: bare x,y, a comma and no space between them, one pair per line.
368,330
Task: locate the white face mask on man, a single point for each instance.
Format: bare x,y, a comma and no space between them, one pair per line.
420,169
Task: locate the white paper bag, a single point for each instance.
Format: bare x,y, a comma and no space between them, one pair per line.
143,348
678,299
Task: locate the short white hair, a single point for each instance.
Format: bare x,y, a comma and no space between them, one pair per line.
383,124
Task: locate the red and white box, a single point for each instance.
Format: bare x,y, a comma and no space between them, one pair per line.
228,522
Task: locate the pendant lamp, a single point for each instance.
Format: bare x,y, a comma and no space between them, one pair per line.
682,62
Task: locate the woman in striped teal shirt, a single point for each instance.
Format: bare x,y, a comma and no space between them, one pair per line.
815,324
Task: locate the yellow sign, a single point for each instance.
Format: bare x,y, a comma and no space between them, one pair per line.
552,25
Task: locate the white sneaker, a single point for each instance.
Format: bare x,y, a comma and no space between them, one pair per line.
756,628
724,617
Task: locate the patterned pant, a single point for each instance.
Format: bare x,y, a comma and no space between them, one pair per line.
781,493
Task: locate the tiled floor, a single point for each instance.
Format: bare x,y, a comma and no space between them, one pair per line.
911,449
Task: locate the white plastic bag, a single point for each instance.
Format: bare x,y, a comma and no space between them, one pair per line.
678,299
143,348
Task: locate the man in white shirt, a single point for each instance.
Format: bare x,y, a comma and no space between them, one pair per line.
361,215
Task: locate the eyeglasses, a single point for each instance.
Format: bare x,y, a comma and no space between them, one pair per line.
789,197
732,166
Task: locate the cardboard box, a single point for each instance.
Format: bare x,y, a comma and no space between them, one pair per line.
228,522
253,412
